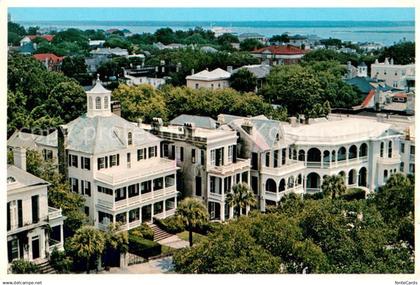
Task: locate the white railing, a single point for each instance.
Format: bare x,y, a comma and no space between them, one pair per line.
54,213
278,195
389,160
284,169
170,212
313,190
215,196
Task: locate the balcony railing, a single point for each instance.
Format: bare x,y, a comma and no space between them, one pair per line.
276,196
216,196
339,163
395,159
290,168
240,164
54,213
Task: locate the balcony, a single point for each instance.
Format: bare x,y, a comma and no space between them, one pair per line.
276,196
290,168
54,213
390,161
239,165
340,163
52,244
216,196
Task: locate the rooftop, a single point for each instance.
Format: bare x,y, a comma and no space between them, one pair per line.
18,179
284,50
205,75
48,56
199,121
259,70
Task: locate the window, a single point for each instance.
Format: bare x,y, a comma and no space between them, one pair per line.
389,149
106,102
402,167
35,209
228,184
198,186
74,182
385,173
213,157
165,150
230,153
202,157
181,153
196,86
382,150
47,154
283,156
267,159
98,103
133,190
128,159
85,162
134,215
402,147
411,168
412,149
212,86
146,187
120,194
193,155
105,217
141,154
114,160
87,211
169,180
105,190
130,138
73,160
254,160
158,183
276,158
85,185
152,151
101,163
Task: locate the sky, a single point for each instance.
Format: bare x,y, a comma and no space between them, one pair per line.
212,14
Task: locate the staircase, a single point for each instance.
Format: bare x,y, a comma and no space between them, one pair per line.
159,233
45,267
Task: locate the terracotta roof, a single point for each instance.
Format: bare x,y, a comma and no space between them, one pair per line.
368,98
47,37
287,49
400,95
48,56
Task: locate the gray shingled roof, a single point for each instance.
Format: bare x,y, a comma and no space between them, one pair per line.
199,121
101,134
22,178
259,70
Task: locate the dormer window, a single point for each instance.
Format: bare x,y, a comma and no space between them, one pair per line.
98,103
130,138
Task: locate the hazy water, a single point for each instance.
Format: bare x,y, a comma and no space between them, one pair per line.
357,31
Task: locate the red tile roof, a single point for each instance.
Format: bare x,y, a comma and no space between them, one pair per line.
48,56
47,37
287,50
368,98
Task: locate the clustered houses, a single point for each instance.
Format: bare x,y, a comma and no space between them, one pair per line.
207,160
395,75
33,228
130,172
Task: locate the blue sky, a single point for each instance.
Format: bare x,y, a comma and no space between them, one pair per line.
212,14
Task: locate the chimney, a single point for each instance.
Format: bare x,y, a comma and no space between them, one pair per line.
293,121
229,69
192,71
376,61
221,119
139,121
156,124
386,61
207,68
19,158
189,129
247,126
392,61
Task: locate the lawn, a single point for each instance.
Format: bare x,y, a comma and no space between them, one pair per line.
196,237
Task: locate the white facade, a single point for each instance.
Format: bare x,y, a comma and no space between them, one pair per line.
28,215
394,75
215,79
155,82
208,163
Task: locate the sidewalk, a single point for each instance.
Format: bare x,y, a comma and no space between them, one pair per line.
174,242
157,266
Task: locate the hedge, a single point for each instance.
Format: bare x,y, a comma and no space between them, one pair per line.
172,224
354,194
143,247
60,261
143,231
21,266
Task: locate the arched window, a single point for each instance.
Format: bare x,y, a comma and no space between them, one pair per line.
381,153
385,173
333,156
363,150
270,185
390,149
341,153
299,179
294,154
326,158
282,185
352,152
314,155
106,102
98,103
130,138
90,102
301,155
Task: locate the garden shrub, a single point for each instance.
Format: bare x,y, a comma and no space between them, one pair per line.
172,224
23,267
354,194
143,247
60,261
143,231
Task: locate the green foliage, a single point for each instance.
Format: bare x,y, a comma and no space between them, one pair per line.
143,231
15,33
402,53
243,80
250,44
21,266
240,197
140,101
60,261
172,224
143,247
333,186
73,66
354,194
280,38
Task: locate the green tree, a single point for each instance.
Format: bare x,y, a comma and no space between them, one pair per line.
33,30
73,66
250,44
140,101
333,186
283,38
193,214
116,242
243,80
402,53
87,244
240,197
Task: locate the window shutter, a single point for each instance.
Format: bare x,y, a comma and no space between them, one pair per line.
8,216
82,162
99,167
20,214
83,187
69,159
234,153
118,159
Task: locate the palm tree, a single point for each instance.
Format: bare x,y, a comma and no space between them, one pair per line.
116,242
333,185
193,213
240,197
88,243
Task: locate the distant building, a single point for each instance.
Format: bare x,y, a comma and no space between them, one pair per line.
33,228
215,79
30,38
155,82
369,46
274,55
395,75
208,49
109,52
27,49
161,46
218,31
260,71
359,71
50,60
254,36
198,121
96,43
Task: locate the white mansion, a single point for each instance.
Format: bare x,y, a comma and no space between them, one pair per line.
131,172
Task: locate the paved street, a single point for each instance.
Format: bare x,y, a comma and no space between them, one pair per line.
157,266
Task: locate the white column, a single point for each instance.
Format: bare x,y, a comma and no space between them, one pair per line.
230,212
61,235
222,211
